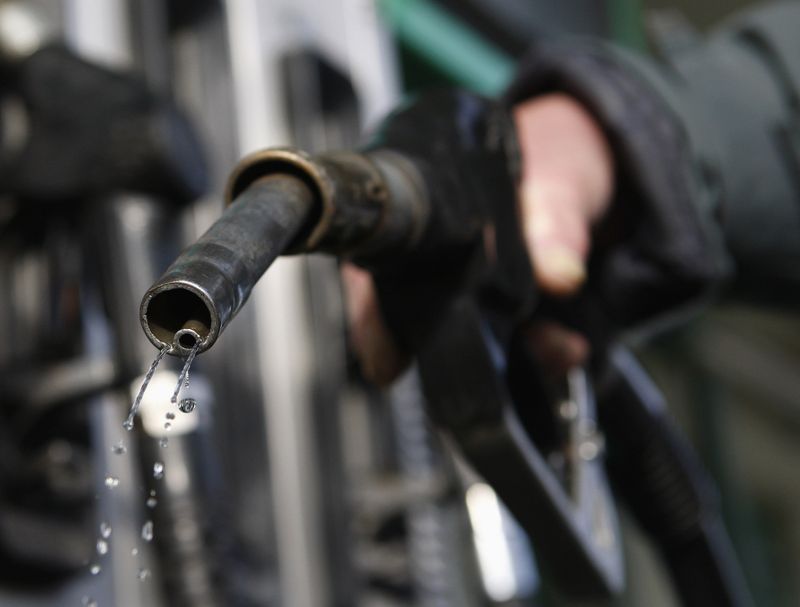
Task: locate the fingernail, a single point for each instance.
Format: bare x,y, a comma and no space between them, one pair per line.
538,224
562,267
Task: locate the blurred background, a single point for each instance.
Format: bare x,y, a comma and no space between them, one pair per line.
293,482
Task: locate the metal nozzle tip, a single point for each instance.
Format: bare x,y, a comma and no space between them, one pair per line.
187,338
179,315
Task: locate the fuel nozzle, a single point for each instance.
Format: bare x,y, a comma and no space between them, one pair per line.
282,201
430,208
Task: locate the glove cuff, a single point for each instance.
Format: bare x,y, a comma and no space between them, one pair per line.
669,255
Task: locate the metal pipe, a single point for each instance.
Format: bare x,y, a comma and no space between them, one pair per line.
210,281
369,205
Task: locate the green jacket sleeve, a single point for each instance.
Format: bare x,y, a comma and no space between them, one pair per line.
708,146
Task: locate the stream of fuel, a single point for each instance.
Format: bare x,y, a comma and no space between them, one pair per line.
183,382
183,378
128,423
186,405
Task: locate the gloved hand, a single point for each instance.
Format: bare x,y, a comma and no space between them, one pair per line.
566,187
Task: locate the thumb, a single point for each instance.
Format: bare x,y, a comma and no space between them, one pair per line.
556,233
567,170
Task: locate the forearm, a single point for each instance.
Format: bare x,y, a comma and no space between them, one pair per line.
738,99
703,147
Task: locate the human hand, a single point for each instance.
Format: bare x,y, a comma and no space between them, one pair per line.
565,188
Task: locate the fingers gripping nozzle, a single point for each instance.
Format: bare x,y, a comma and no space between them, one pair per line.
282,201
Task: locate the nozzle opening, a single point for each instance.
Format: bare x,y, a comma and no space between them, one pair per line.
187,339
178,314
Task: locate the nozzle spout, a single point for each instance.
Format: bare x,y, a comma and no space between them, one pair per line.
210,281
366,206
